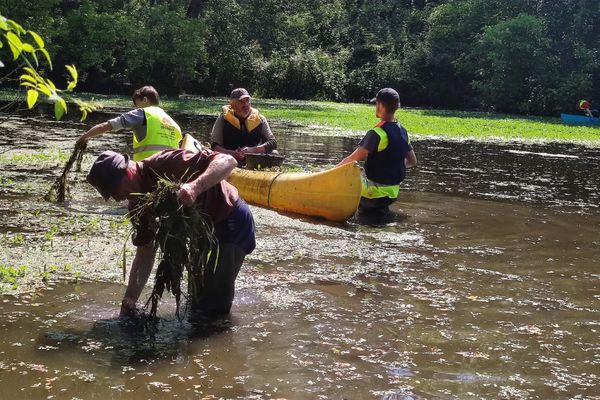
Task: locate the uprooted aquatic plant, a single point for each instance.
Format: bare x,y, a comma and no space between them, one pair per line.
59,189
184,240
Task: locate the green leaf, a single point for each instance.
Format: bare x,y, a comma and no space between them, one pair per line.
28,78
83,115
71,86
51,85
27,48
47,55
15,44
29,84
31,71
73,71
59,109
15,26
32,96
37,63
3,24
44,89
38,39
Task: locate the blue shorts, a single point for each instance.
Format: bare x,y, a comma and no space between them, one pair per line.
238,228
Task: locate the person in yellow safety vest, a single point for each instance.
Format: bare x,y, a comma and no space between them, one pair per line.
388,154
153,129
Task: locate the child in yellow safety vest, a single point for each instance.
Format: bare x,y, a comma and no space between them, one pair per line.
153,129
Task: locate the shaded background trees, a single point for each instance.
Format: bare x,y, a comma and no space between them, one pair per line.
523,56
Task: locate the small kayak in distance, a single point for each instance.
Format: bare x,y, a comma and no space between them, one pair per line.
572,119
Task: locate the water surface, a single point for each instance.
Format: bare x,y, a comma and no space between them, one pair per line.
485,286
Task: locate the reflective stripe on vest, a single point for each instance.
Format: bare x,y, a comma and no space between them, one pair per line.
383,139
374,190
162,133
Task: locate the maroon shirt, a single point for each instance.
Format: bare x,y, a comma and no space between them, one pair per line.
184,166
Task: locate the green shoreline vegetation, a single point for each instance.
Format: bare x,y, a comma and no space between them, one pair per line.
347,119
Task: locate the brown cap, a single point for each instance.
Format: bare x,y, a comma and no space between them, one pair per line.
107,171
239,94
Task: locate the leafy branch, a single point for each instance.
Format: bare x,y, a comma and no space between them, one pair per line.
26,47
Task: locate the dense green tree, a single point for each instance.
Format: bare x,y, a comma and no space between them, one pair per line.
516,68
529,56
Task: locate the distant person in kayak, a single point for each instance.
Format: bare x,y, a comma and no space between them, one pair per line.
153,129
585,106
241,129
115,175
388,154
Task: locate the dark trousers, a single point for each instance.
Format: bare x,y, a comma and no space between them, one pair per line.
214,296
374,211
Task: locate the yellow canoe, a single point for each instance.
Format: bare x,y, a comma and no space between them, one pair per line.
332,194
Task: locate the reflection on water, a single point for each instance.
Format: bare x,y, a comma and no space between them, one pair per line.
485,286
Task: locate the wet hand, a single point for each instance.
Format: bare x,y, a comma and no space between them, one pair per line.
239,154
82,141
187,194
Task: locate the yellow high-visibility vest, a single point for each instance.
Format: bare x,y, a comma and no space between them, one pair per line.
162,133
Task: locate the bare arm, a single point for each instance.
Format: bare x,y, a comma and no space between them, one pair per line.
140,272
96,130
357,155
237,154
253,150
219,168
411,159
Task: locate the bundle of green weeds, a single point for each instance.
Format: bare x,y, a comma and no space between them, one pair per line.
184,240
58,191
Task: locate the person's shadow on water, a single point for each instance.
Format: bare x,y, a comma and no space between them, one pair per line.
134,340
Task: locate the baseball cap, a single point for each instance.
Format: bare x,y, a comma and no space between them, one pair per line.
387,96
107,171
239,94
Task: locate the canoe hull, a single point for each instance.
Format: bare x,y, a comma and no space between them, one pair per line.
333,194
579,119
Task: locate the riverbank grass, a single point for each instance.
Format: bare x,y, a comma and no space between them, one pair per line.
346,119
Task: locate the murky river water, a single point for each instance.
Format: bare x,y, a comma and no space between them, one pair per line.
486,286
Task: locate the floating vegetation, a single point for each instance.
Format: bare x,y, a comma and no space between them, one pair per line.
184,239
58,191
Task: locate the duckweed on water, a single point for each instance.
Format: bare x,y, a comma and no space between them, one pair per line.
9,274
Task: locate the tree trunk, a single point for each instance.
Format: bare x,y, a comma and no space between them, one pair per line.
194,8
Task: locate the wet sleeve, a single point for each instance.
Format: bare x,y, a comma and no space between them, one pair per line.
370,142
268,139
131,119
216,135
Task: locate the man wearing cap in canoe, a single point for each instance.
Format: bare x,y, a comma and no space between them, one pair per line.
203,173
153,129
388,153
241,129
